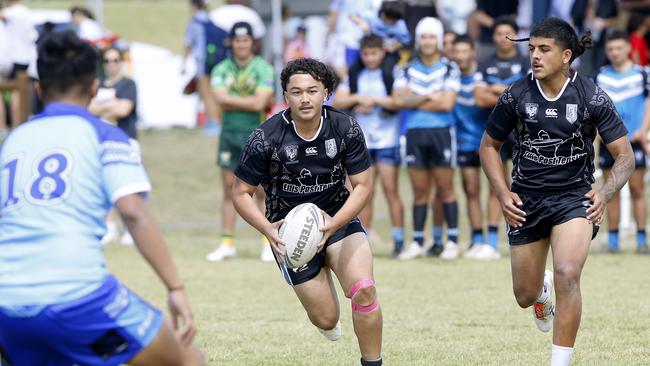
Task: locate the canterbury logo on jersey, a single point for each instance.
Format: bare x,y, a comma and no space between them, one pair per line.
311,150
551,112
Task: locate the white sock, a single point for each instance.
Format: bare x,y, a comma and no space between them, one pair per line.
561,356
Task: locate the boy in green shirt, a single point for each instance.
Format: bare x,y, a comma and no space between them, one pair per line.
243,87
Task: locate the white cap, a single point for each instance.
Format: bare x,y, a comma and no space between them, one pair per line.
429,25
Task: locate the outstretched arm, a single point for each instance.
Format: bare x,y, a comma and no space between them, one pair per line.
151,245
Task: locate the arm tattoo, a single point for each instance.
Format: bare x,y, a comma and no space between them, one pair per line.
619,175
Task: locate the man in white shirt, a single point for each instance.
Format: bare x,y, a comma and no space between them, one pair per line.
22,43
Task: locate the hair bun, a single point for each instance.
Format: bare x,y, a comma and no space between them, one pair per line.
585,41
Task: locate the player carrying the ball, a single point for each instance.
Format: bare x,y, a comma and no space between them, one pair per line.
555,114
303,155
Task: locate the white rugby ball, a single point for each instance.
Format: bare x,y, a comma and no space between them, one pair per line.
301,233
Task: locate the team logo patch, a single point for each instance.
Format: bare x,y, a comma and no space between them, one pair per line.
330,148
291,151
571,112
531,110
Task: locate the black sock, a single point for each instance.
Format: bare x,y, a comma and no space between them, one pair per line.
419,217
451,216
371,363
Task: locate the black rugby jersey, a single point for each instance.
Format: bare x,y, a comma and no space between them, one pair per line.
554,137
504,71
293,170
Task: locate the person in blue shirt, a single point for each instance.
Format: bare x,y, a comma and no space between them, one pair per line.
470,125
60,174
427,88
628,85
389,24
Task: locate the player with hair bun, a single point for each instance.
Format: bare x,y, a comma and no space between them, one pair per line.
303,154
555,114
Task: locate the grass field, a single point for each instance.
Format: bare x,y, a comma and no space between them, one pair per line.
435,312
159,22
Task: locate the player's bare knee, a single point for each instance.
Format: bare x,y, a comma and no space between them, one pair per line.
325,321
566,277
366,296
525,296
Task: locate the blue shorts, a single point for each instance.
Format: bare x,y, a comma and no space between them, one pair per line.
390,155
109,326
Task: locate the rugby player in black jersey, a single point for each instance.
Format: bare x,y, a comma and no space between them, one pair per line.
303,154
556,115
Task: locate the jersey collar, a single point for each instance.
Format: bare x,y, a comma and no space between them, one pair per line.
60,109
286,116
568,79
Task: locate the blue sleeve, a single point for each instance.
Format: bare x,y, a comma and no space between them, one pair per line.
122,170
403,35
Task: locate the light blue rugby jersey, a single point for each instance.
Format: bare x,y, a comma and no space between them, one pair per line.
628,90
421,80
61,173
470,119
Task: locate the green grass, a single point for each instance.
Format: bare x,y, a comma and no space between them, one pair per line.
435,313
159,22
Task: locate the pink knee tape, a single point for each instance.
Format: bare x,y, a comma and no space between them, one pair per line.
365,309
358,286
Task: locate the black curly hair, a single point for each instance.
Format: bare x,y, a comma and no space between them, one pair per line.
65,64
309,66
563,34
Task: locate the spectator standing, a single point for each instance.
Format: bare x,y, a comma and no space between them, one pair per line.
427,88
206,43
243,88
116,102
470,125
22,42
503,68
367,91
628,85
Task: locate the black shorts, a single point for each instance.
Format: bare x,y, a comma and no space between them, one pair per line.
429,148
606,161
16,68
469,159
313,267
545,211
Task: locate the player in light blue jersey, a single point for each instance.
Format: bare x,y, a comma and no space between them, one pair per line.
628,85
60,174
470,125
427,89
